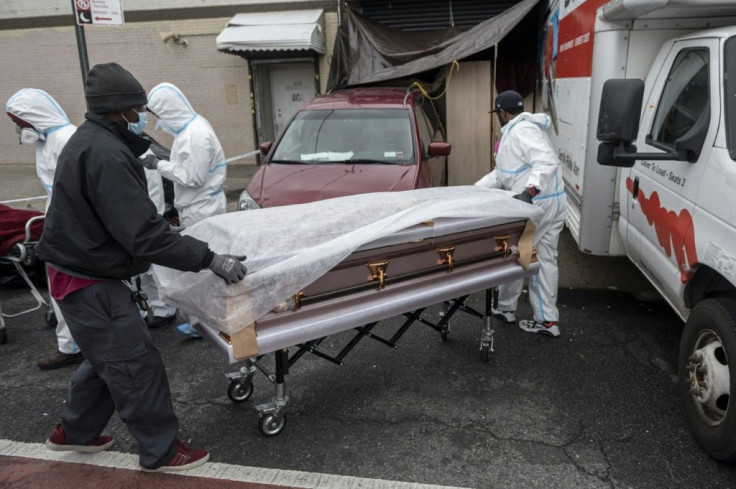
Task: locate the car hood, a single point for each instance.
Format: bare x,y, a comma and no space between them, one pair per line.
277,184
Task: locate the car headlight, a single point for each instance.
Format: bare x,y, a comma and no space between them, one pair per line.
246,202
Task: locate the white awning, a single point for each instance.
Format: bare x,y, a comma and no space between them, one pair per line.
290,30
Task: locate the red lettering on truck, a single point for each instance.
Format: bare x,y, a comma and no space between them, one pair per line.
575,41
675,232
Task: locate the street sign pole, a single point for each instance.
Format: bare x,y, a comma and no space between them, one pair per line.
81,46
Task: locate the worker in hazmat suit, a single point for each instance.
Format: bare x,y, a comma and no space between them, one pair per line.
527,165
162,312
197,163
41,123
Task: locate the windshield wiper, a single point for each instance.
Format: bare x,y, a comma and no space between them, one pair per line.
359,161
291,162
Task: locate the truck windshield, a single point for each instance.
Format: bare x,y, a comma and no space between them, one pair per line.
348,136
684,98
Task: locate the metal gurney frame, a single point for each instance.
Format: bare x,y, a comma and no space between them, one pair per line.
361,313
20,254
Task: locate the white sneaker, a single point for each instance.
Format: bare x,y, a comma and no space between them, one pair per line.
549,328
505,316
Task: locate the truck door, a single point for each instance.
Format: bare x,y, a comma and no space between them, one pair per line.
661,194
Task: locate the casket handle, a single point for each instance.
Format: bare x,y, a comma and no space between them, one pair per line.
378,272
502,244
298,300
446,257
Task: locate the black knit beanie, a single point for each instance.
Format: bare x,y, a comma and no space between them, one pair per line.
111,88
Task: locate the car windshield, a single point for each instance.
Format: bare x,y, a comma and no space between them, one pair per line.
382,136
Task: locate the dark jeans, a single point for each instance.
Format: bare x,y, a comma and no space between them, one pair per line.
122,370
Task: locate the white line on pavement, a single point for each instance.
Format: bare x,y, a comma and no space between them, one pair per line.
290,478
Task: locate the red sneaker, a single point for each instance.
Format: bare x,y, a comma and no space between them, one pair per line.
185,458
57,442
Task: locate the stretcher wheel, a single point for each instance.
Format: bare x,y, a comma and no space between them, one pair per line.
50,318
271,425
485,352
239,391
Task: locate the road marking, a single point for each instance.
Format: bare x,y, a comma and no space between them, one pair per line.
214,470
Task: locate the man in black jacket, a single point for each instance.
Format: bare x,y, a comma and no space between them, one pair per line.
101,229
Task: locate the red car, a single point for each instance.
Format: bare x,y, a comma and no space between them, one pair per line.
351,141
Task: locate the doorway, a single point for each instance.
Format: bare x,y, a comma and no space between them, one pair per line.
280,89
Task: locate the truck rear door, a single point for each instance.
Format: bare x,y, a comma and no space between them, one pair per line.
661,194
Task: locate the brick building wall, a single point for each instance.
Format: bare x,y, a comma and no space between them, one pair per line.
215,83
331,26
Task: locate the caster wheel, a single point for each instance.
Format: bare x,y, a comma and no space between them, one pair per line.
485,353
50,317
443,335
3,336
239,391
271,425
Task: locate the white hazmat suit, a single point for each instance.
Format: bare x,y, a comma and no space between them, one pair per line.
526,159
41,111
148,285
197,163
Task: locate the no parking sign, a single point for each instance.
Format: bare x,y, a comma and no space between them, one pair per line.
99,12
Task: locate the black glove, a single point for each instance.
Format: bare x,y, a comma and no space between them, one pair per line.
150,162
228,267
524,197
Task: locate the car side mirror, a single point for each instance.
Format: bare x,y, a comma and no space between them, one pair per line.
265,147
439,149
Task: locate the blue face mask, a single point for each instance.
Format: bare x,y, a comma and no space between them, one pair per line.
138,127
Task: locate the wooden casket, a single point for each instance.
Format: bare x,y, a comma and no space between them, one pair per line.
417,267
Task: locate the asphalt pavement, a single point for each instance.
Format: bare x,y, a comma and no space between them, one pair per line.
596,408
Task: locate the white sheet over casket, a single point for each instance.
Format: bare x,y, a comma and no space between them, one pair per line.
290,247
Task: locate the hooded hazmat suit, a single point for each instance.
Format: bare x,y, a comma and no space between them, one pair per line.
197,163
40,110
526,159
148,285
43,113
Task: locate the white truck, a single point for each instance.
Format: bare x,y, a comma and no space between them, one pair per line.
657,183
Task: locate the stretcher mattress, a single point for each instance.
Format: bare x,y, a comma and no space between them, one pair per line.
291,249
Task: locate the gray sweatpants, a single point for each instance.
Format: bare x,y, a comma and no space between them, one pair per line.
122,370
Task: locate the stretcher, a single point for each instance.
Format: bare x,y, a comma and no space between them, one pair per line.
401,274
20,232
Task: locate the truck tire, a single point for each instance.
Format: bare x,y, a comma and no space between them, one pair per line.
707,367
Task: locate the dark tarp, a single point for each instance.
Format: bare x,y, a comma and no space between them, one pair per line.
366,52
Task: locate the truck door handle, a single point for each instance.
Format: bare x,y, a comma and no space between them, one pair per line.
635,191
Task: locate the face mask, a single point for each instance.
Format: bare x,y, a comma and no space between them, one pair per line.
165,127
137,127
29,137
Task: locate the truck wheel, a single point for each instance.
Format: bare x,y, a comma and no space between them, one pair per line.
707,367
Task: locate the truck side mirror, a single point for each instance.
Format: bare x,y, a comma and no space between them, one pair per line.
618,119
265,147
618,126
439,149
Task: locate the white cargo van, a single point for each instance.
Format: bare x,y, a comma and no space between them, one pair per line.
657,181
